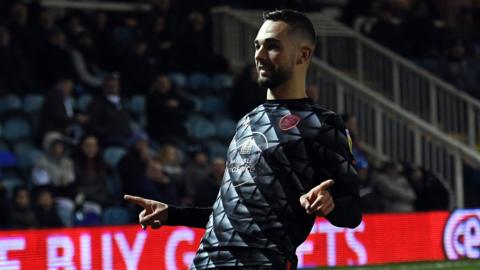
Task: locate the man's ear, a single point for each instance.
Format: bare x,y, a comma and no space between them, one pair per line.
304,55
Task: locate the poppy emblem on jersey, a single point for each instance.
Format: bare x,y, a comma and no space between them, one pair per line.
289,121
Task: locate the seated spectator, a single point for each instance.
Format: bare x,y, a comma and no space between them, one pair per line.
197,55
461,70
166,111
84,56
143,176
137,66
45,211
15,71
162,43
55,60
395,191
196,170
207,190
22,214
109,119
91,174
351,125
58,113
430,193
56,170
369,198
388,30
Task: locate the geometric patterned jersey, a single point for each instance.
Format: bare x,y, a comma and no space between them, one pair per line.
281,150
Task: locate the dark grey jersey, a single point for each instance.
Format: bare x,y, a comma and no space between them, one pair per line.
281,150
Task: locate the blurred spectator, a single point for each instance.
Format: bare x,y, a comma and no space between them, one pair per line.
369,198
196,55
142,175
166,111
19,27
430,193
85,61
15,73
162,43
55,168
351,125
58,113
46,214
108,118
169,157
41,29
5,206
102,35
388,29
91,173
460,70
423,37
55,59
396,192
22,213
247,94
207,190
136,67
196,170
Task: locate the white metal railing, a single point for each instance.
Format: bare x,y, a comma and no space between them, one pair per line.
397,79
384,126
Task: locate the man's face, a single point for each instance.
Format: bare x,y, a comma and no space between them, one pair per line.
274,54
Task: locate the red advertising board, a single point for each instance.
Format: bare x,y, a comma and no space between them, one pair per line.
382,238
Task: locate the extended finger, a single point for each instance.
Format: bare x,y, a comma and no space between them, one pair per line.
326,185
136,200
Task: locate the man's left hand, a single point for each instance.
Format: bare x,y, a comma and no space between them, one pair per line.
318,200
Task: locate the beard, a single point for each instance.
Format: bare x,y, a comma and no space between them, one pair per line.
277,77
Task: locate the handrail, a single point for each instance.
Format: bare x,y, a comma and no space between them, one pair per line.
391,106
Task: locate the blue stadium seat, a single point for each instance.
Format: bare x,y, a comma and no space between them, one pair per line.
199,127
136,105
83,102
26,153
10,103
10,184
16,128
178,79
112,155
222,81
199,81
217,149
33,103
212,105
115,215
225,127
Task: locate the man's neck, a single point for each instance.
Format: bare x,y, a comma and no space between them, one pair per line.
287,91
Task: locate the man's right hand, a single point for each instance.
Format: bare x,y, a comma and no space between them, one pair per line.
154,213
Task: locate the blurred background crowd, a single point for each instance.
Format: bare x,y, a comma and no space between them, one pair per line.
97,104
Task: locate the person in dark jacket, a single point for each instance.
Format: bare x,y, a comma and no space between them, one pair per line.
57,112
166,111
109,119
45,211
142,175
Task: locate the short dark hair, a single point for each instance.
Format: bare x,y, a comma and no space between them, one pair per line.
299,22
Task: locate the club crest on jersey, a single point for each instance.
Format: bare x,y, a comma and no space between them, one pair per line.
289,121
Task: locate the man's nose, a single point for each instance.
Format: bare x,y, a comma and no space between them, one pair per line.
260,54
